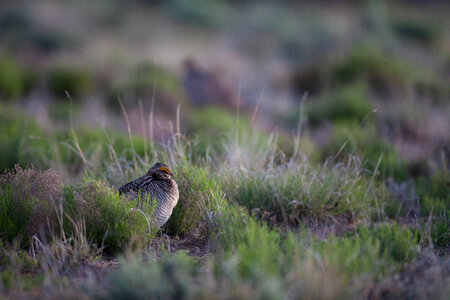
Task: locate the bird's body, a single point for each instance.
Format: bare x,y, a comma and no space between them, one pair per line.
158,183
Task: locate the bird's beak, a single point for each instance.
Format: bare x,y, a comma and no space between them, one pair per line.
171,174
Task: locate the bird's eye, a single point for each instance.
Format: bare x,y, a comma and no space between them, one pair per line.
165,169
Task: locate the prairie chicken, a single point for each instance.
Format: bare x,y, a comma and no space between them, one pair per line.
159,184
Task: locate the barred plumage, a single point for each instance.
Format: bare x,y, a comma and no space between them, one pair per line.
158,183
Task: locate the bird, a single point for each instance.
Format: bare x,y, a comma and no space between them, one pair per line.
203,87
158,182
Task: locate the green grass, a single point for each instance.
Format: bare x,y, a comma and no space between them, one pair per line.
383,72
440,232
213,127
197,192
24,142
16,80
168,278
250,257
28,198
274,215
19,145
146,82
62,79
348,103
298,190
110,220
36,203
364,141
434,192
257,261
376,250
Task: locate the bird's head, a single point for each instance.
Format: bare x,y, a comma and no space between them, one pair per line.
161,171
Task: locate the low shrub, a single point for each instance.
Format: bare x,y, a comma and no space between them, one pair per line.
440,232
418,30
197,192
213,127
297,190
21,143
369,250
383,72
36,203
28,199
434,192
253,259
25,142
16,80
145,82
170,277
348,103
351,137
75,81
111,220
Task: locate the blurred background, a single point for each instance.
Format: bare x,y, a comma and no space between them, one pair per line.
369,77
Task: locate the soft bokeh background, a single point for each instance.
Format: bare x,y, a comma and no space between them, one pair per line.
310,142
366,76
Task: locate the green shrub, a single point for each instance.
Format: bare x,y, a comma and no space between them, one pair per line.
254,260
349,103
440,232
76,82
434,192
101,148
113,221
15,80
254,243
375,250
34,203
422,31
396,242
11,281
350,137
146,81
11,84
170,277
214,121
24,142
211,137
297,190
383,71
28,199
21,141
213,127
197,190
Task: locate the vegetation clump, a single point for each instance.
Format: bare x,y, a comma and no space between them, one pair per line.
35,203
349,103
63,79
29,199
15,81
